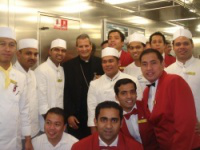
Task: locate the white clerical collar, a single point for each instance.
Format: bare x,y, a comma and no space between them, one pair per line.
187,63
102,143
115,77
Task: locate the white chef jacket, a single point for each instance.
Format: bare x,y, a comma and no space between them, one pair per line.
136,72
50,87
102,89
41,142
32,98
14,111
132,125
190,71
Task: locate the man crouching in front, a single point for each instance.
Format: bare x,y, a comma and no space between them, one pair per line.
108,118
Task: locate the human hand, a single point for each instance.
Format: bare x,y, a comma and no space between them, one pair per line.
73,122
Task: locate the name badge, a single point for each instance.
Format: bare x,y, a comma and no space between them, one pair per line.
59,80
13,82
191,73
142,120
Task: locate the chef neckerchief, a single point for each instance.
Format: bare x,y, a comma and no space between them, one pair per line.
6,73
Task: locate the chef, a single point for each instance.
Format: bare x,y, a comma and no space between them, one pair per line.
50,79
136,45
14,106
102,89
186,65
26,58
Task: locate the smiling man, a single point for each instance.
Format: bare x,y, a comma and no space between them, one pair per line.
134,124
116,40
102,89
168,104
108,119
157,41
26,58
186,65
136,45
14,112
79,72
54,137
50,79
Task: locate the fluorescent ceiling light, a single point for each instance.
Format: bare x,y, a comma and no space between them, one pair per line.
74,7
184,19
139,20
187,1
118,1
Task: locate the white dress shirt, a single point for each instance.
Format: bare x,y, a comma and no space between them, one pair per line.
132,125
151,98
41,142
14,111
102,89
32,98
136,72
190,71
114,143
50,87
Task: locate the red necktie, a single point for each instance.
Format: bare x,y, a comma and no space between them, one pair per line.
133,112
107,147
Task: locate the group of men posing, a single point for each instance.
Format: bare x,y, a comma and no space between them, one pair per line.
142,107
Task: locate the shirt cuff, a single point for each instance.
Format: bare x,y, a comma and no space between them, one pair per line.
26,131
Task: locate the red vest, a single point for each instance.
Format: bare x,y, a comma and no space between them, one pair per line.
125,59
169,60
92,143
173,116
147,135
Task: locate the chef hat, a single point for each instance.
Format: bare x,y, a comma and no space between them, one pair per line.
59,43
7,32
182,32
27,43
137,37
109,51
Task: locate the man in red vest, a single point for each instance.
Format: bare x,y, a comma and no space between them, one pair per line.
168,105
108,118
158,42
134,123
116,40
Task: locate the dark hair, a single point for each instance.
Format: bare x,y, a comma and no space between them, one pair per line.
104,42
57,111
83,36
108,104
123,82
168,42
157,33
144,45
150,50
120,33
